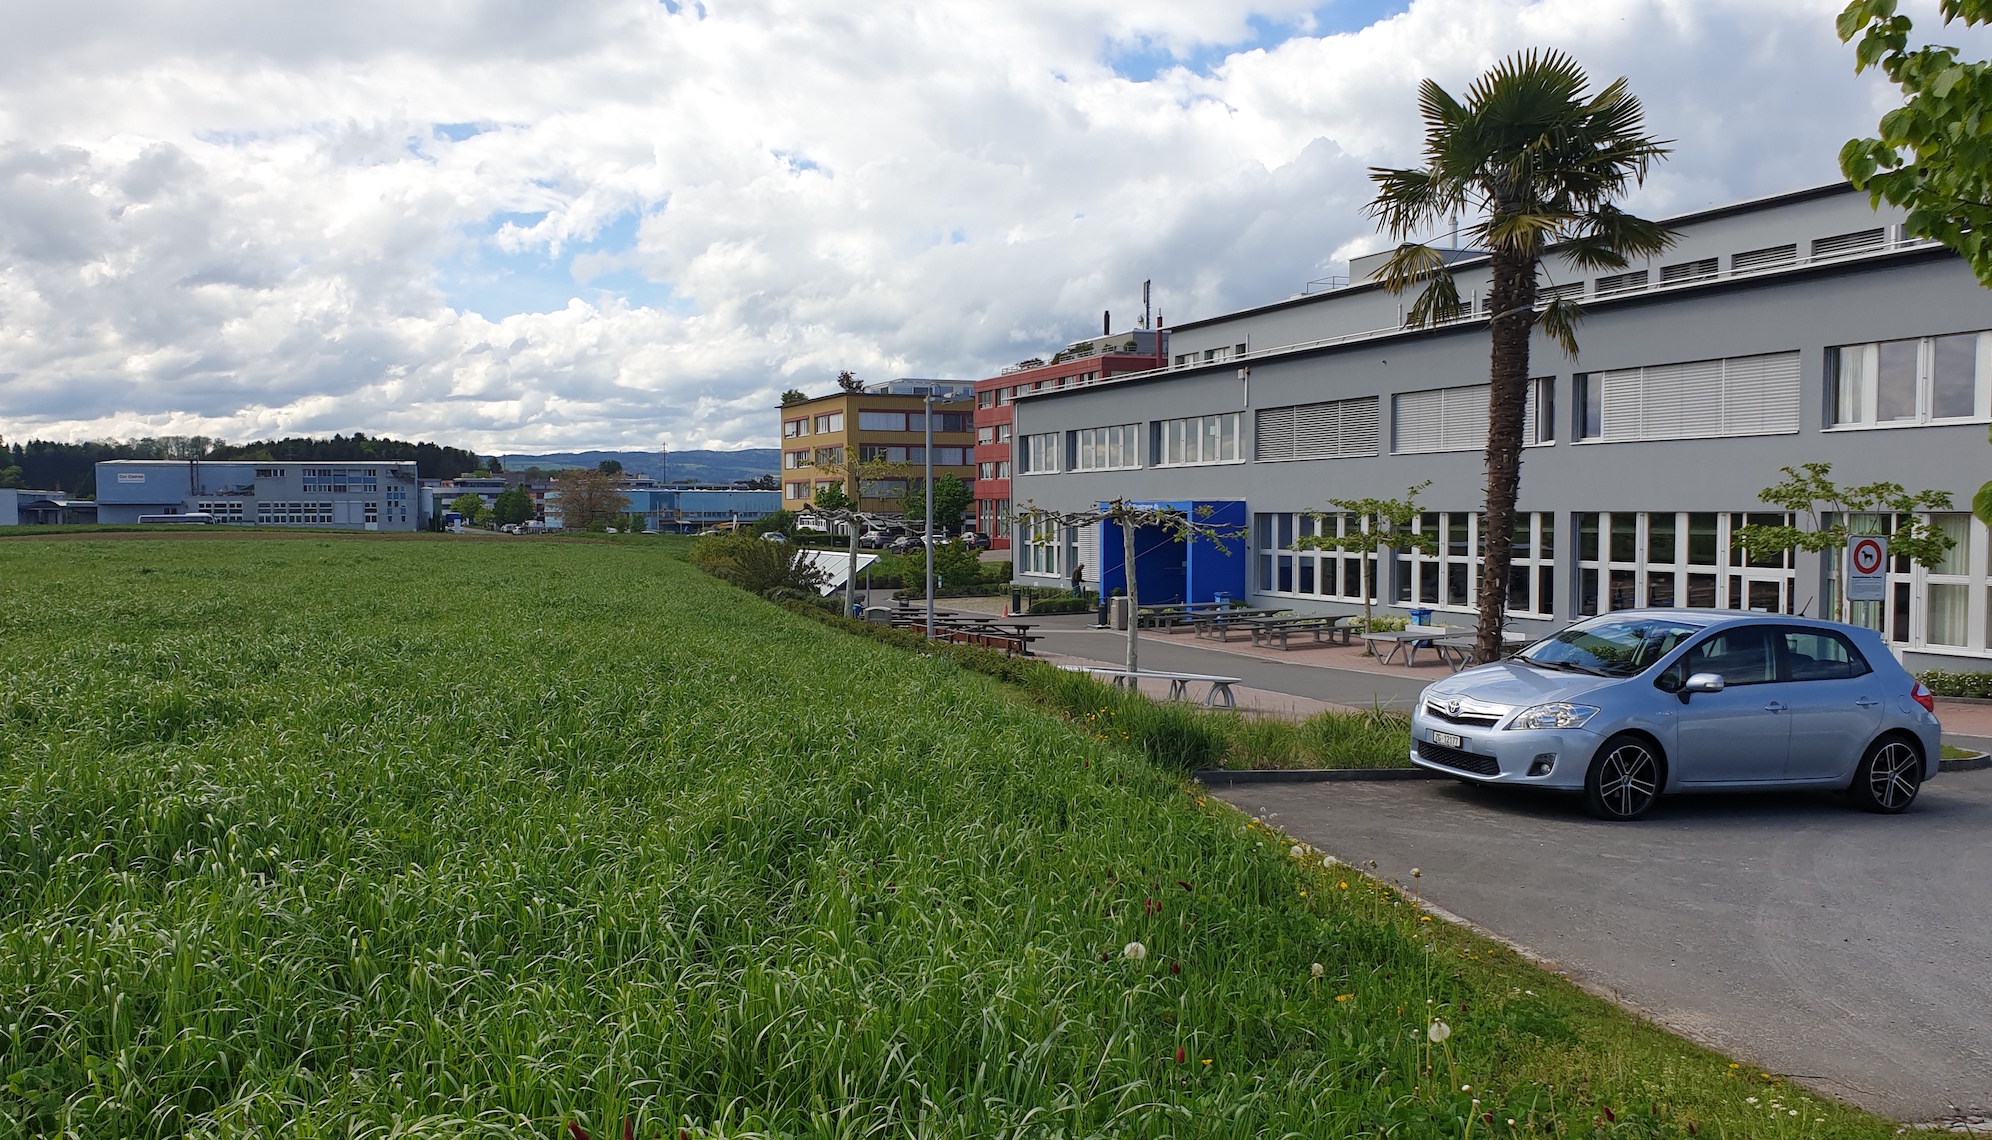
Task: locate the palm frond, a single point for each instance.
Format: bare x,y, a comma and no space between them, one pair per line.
1559,320
1408,201
1437,304
1410,264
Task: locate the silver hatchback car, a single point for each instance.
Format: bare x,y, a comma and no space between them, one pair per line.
1635,704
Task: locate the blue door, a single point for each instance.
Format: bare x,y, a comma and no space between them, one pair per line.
1835,704
1743,733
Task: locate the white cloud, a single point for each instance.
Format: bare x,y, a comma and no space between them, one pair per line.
614,222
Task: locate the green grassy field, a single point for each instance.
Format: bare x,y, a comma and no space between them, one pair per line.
336,837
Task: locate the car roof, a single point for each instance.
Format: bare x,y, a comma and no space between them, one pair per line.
1709,619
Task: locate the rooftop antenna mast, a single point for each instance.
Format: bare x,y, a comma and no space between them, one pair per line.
1147,314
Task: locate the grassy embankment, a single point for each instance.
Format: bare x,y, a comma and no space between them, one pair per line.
450,838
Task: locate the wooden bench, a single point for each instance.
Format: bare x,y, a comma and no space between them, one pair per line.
1219,695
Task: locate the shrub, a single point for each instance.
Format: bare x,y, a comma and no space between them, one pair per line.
1957,683
756,565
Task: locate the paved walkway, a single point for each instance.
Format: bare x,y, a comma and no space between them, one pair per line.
1842,949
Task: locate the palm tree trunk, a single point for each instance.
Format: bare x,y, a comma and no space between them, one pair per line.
1513,293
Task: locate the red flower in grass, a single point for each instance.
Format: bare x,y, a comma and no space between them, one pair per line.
1179,1054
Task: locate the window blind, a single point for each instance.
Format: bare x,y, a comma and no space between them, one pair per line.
1332,430
1702,399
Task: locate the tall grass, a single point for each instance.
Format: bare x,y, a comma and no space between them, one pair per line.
434,838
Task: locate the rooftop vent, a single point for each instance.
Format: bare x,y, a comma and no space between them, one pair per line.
1767,258
1847,243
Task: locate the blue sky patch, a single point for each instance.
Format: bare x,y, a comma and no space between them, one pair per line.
1143,60
498,283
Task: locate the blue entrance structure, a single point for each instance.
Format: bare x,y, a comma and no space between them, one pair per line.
1169,570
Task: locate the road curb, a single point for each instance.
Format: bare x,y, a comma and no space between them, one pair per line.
1966,763
1219,777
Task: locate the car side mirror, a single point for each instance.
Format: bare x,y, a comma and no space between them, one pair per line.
1701,683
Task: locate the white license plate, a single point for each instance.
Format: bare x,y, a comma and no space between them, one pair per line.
1447,739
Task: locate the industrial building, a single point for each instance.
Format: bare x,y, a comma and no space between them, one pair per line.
1775,332
369,495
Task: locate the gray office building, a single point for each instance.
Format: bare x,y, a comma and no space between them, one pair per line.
1800,328
352,496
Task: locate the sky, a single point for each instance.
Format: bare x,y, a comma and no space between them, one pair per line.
522,226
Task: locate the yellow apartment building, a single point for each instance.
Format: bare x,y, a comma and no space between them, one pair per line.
883,430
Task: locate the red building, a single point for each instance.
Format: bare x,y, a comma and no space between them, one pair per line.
1082,362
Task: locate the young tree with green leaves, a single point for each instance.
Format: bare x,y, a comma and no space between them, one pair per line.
1828,511
1130,517
952,500
1380,525
830,500
1540,164
471,507
514,505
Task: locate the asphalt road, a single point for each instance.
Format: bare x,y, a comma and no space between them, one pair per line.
1075,635
1850,951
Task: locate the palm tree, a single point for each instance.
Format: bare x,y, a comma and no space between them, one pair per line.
1539,163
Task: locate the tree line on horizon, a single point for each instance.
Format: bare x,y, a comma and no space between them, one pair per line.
72,467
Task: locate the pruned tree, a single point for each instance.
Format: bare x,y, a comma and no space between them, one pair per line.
1827,509
1541,163
1382,525
794,396
1130,517
848,382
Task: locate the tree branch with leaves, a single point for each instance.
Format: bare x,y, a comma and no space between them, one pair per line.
1179,525
1827,511
1381,525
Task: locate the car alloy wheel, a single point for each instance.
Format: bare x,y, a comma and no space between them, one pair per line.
1624,780
1889,777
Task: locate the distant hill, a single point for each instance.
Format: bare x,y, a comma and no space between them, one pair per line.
704,466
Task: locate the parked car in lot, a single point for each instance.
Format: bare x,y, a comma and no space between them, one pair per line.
1628,706
875,540
774,536
975,540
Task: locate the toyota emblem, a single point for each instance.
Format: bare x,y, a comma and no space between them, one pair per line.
1452,707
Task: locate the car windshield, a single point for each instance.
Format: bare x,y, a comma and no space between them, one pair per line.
1613,647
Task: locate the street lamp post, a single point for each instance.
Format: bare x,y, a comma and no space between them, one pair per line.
927,524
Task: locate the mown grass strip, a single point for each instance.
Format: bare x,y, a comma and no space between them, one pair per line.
450,838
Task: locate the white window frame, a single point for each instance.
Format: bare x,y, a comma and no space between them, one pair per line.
1422,578
1113,448
1184,442
1039,454
1853,395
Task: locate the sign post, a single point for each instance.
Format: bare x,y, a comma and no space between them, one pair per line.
1867,568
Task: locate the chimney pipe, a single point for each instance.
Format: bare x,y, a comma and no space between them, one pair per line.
1107,323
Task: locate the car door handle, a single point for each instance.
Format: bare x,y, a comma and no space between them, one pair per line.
1776,707
1866,703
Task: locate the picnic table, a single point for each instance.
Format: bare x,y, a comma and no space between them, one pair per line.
1463,650
1278,629
1220,623
1174,615
1409,640
1012,637
1219,694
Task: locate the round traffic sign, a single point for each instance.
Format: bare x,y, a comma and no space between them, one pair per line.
1868,554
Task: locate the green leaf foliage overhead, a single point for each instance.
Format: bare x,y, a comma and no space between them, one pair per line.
1933,156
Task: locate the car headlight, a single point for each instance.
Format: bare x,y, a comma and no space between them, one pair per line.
1555,714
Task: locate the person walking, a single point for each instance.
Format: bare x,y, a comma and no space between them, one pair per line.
1078,577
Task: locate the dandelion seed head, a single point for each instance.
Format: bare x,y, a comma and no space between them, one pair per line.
1316,969
1134,951
1438,1031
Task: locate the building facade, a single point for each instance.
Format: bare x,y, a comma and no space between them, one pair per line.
1082,362
880,431
688,510
20,506
1796,329
353,496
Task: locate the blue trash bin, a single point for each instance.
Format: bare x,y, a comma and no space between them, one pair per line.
1221,600
1420,616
